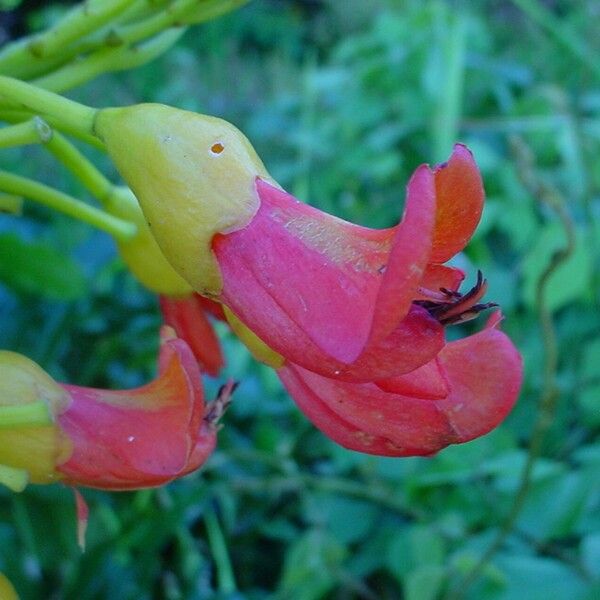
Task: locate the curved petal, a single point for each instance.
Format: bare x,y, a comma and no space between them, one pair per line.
137,438
484,374
387,424
437,277
426,382
327,294
460,195
188,318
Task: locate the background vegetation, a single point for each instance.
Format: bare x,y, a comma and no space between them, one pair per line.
343,99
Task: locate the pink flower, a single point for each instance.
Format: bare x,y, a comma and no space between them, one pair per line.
352,318
113,440
339,299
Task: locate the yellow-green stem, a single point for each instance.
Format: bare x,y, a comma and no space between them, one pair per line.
19,116
29,132
21,95
81,168
14,184
108,59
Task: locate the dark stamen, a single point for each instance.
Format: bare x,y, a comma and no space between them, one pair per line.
458,307
221,403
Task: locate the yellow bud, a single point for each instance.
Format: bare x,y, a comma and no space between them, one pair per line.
259,350
194,176
30,440
141,254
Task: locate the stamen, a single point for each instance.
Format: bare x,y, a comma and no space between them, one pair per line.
455,307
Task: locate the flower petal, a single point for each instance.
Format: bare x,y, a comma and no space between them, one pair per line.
137,438
437,277
460,195
484,374
327,294
388,424
426,382
188,318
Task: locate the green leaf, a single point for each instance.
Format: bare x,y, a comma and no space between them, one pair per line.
424,583
39,268
310,566
542,578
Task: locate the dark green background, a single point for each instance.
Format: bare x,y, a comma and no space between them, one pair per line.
342,99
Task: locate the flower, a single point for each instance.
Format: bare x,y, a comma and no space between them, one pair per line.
114,440
352,318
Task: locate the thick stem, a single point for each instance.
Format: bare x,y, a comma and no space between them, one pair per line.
39,101
118,228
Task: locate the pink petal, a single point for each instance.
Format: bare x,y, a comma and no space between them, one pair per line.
137,438
437,277
427,382
330,295
187,317
484,373
387,424
460,195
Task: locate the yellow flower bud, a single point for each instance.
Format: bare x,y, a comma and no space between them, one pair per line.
194,176
141,254
31,444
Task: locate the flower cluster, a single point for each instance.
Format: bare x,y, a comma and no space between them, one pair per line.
352,319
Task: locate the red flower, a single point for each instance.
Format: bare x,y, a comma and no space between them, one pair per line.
339,299
466,391
353,318
114,440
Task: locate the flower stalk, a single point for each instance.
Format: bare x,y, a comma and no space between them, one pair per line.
43,194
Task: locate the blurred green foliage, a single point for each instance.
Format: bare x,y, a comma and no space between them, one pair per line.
342,100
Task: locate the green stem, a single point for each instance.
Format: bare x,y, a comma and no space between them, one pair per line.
118,228
81,168
30,132
77,23
447,113
34,413
108,59
216,539
18,116
36,100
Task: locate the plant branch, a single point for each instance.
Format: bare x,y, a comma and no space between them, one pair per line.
43,194
38,101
